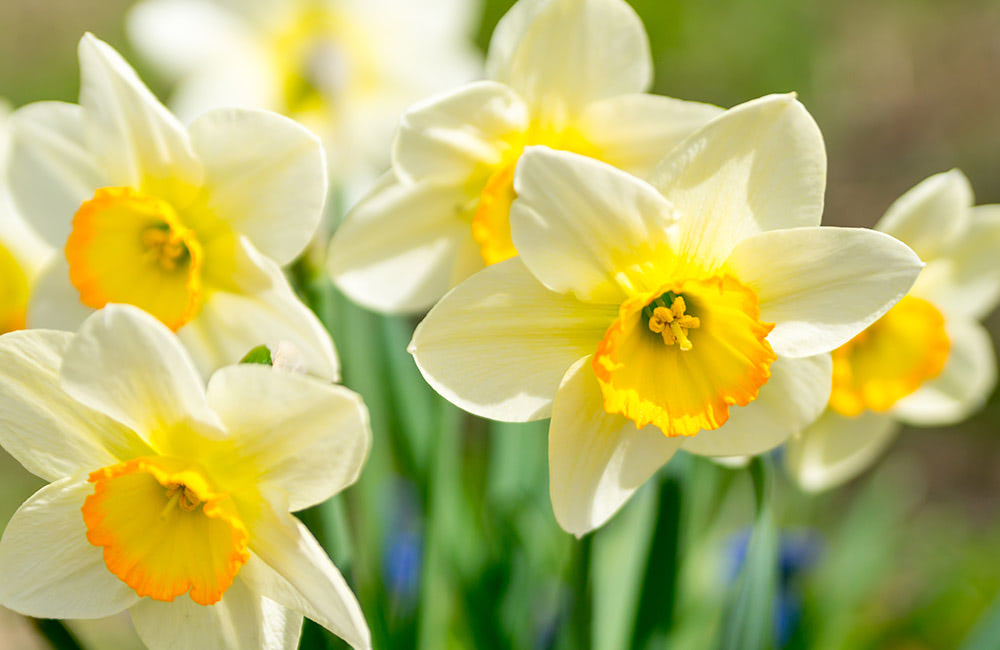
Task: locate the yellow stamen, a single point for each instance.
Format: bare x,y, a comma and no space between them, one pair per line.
673,324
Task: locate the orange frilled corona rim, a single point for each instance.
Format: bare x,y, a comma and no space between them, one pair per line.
131,248
680,365
890,359
164,530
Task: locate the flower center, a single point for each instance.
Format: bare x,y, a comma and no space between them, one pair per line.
14,292
892,358
672,323
128,247
320,56
165,531
668,381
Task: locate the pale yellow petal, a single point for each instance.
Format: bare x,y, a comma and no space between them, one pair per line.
584,227
822,286
569,53
931,215
835,448
635,132
499,344
49,569
306,437
759,166
597,460
403,246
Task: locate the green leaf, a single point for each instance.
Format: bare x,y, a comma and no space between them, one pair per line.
259,355
985,635
748,620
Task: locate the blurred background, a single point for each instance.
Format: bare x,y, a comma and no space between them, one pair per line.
904,557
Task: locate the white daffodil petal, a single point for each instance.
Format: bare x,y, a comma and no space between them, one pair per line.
968,378
47,431
450,136
964,282
584,227
930,216
573,52
266,317
126,364
634,132
307,437
822,285
499,344
51,170
265,175
759,166
136,139
597,460
242,619
835,448
49,569
400,248
296,573
792,398
55,302
508,33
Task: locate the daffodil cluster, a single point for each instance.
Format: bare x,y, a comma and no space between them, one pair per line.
650,274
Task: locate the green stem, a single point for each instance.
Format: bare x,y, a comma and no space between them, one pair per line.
56,633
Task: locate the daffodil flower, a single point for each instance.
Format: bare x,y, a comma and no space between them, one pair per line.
928,361
695,311
189,225
170,500
567,74
344,68
22,253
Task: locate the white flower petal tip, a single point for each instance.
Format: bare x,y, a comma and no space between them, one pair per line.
400,249
835,448
483,346
597,460
561,227
756,167
931,215
822,286
564,54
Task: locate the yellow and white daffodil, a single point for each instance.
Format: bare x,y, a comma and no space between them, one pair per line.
344,68
170,500
22,253
567,74
928,361
695,311
189,225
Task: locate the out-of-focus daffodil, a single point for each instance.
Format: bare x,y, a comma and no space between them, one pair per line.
168,499
927,361
696,311
344,68
189,225
22,253
567,74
